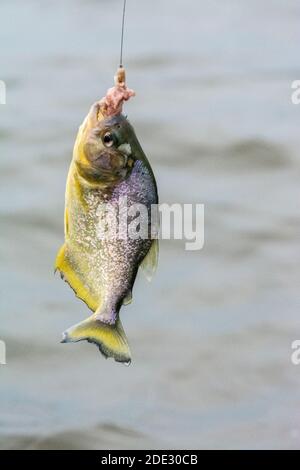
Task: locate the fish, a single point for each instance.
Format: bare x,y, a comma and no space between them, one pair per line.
108,166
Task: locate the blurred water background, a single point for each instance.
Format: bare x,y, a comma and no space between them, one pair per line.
211,336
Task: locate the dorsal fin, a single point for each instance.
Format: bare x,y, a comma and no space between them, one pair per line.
149,263
128,298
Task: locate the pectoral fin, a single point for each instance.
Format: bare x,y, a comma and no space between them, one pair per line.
71,275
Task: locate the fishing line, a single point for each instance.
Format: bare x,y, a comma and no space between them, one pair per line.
122,34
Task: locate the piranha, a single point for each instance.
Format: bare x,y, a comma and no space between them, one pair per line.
108,164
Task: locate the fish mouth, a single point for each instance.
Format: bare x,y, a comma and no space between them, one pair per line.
118,120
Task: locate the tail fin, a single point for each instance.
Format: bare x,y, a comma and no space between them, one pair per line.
110,339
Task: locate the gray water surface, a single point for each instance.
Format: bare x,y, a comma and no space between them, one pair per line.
211,336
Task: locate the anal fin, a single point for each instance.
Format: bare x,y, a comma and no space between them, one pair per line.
66,268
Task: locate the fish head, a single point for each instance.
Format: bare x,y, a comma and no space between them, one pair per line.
104,147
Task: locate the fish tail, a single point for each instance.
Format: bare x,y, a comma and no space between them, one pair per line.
111,339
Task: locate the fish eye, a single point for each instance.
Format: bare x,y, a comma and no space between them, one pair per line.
108,139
